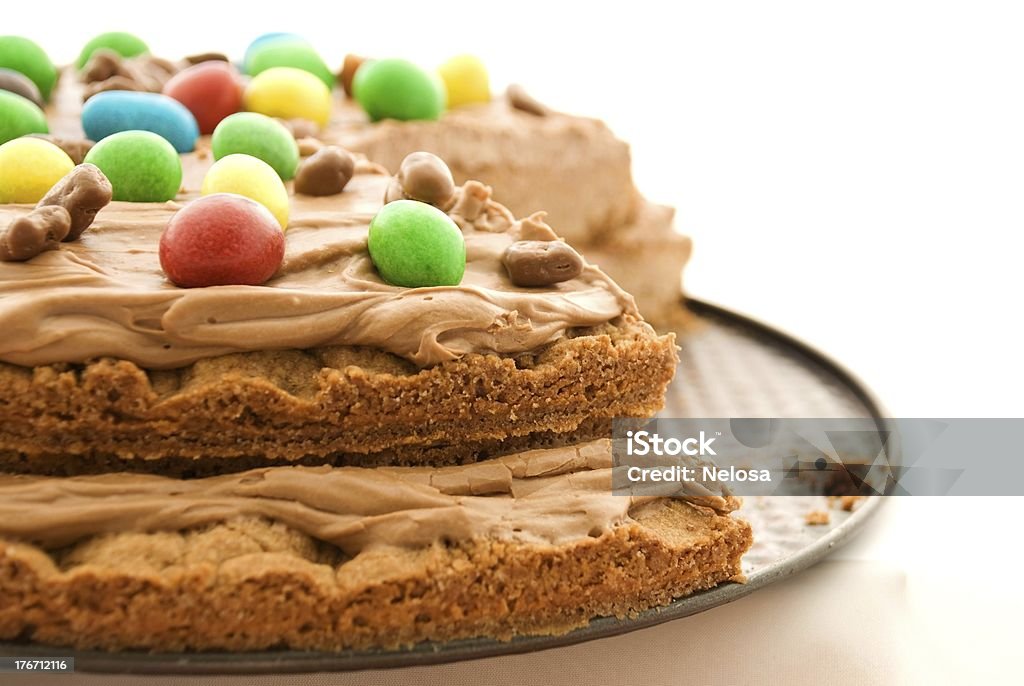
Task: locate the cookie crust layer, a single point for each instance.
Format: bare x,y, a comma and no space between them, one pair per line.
249,584
337,405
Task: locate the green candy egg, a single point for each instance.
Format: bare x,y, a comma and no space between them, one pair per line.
19,116
414,244
289,52
124,44
23,55
398,89
141,166
258,135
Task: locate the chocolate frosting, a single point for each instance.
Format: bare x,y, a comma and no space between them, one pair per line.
539,496
105,294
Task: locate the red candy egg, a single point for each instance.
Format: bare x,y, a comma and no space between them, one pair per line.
210,90
219,240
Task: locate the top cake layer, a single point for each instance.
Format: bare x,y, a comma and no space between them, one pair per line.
573,168
105,295
346,368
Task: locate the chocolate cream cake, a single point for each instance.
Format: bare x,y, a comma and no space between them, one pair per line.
326,460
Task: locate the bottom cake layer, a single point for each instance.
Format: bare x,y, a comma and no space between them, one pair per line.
327,558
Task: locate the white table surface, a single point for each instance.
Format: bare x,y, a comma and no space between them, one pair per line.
850,172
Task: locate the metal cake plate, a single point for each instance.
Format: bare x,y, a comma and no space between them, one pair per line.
731,366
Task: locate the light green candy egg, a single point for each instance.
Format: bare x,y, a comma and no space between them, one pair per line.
288,52
141,166
124,44
19,116
414,245
258,135
26,57
398,89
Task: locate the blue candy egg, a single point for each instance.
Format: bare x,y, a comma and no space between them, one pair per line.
111,112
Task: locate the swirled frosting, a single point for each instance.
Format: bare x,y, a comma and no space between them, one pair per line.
105,294
547,496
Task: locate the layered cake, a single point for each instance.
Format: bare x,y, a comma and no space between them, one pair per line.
249,401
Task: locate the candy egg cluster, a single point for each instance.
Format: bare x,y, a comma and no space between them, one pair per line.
141,113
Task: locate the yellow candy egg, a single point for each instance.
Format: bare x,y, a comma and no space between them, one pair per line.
288,93
252,177
466,78
29,167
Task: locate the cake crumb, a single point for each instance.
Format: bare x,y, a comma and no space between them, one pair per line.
817,518
846,502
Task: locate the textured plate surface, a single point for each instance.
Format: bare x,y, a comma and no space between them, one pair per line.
731,366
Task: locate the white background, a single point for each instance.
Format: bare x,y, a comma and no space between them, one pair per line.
851,172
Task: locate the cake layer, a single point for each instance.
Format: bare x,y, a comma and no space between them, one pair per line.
321,558
538,496
105,294
573,168
247,585
341,405
105,364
